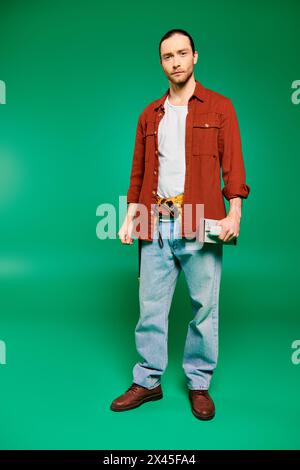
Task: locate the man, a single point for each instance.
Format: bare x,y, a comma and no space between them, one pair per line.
183,141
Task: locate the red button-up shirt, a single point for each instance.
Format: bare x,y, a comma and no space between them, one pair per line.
212,148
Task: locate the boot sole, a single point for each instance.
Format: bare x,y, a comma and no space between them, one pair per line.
151,398
201,417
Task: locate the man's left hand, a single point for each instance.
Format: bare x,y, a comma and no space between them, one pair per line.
230,227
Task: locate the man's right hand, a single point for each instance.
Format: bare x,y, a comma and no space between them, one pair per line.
125,232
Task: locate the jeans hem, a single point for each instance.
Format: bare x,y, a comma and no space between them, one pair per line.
199,388
149,388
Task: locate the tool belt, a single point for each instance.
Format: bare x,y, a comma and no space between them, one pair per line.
169,206
166,208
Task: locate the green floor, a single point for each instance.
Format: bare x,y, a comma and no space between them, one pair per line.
73,352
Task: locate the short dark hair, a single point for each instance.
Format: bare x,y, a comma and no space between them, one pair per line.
177,31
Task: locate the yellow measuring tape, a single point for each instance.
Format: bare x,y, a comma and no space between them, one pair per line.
178,199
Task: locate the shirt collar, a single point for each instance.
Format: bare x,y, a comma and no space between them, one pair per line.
199,92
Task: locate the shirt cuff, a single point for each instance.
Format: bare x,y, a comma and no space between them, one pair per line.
236,190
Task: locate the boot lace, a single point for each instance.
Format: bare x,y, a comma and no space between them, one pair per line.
134,388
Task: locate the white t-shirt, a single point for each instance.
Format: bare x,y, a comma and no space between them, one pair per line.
171,150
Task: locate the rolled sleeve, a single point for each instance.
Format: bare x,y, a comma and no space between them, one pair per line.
138,165
232,162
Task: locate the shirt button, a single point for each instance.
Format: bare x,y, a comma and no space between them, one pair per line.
154,132
206,125
155,172
153,192
156,152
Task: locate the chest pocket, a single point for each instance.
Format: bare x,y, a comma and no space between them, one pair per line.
205,134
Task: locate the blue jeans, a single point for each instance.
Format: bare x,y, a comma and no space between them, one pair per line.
159,271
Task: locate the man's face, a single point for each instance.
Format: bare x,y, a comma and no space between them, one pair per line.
177,56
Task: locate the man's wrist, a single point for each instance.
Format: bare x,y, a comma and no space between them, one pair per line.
129,217
131,211
235,209
235,213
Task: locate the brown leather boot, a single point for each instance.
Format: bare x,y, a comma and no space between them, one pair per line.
135,396
202,405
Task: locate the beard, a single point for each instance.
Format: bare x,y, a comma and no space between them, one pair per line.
180,79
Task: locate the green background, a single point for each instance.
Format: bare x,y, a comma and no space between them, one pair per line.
78,74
